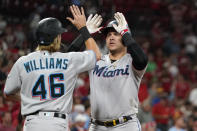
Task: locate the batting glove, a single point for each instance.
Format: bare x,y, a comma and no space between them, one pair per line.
93,23
122,26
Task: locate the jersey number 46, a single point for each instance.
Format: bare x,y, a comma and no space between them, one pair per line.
56,88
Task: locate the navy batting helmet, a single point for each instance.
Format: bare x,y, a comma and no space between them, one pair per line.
48,29
109,27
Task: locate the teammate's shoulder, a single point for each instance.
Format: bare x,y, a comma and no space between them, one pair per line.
31,54
26,56
128,56
104,57
88,51
68,53
82,52
60,53
20,59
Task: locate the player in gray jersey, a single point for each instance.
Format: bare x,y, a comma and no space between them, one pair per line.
46,78
115,80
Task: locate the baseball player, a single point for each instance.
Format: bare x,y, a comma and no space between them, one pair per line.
115,80
46,77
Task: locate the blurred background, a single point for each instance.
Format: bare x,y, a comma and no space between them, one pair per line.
165,29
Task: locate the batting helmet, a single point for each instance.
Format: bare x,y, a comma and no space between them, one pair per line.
109,27
48,29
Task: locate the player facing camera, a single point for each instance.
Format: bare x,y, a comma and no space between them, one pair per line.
121,71
48,34
114,37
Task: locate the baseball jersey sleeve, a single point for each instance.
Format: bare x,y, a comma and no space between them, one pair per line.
13,82
84,61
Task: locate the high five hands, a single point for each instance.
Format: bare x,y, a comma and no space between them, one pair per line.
93,23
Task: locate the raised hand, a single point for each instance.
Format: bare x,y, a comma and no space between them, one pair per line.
122,23
93,23
79,19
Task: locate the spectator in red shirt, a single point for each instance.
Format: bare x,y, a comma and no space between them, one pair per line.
161,112
3,105
159,59
6,124
84,89
181,87
166,81
143,91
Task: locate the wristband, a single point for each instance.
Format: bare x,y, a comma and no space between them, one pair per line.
85,33
124,31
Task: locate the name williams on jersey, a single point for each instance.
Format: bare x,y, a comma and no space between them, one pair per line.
47,63
104,72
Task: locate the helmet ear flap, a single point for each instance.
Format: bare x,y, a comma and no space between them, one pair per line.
44,39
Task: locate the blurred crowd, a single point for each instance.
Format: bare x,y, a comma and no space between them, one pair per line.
165,29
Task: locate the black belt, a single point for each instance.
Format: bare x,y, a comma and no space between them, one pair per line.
112,122
55,114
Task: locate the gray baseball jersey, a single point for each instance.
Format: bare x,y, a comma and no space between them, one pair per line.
114,88
47,80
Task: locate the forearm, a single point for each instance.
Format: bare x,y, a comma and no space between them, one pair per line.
90,42
78,43
140,59
91,45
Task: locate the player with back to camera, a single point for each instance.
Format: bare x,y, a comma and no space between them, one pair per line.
115,80
46,77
